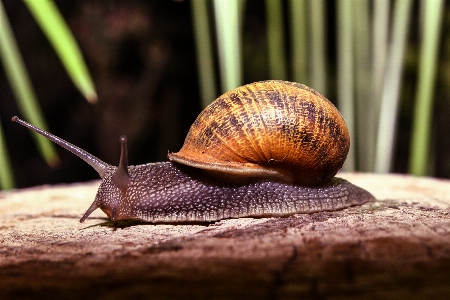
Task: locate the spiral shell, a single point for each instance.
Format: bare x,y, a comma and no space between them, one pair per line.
269,129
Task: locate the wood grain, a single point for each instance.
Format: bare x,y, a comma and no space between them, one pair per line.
397,247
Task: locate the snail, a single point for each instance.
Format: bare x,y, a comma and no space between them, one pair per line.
270,148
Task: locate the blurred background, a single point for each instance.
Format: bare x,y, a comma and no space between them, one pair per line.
155,64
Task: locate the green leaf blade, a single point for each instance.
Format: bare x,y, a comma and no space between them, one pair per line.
58,33
21,86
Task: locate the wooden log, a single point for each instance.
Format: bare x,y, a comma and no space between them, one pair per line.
397,247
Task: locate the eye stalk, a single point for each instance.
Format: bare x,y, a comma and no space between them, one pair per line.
99,165
121,178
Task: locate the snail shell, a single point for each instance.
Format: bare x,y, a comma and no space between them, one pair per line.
269,129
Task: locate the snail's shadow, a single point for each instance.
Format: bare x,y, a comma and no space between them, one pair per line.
121,224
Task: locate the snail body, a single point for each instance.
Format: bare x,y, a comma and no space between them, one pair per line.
269,148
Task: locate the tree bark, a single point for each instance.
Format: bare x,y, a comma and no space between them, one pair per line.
397,247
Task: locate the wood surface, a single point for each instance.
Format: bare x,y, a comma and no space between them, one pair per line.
395,248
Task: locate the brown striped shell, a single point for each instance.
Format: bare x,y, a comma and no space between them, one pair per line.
269,129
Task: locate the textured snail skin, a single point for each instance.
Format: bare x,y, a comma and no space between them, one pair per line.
168,192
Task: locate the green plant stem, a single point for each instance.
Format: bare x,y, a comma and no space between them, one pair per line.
380,36
432,18
317,50
391,87
229,43
299,37
6,174
361,44
345,76
275,39
205,60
